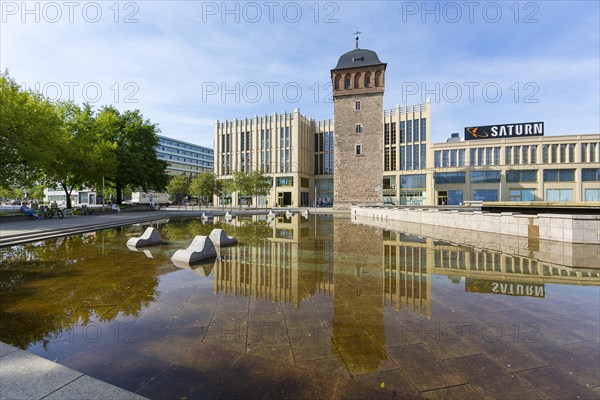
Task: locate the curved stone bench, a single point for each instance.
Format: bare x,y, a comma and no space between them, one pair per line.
150,237
271,214
201,248
289,214
220,238
304,214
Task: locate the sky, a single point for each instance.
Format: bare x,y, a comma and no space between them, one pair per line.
187,64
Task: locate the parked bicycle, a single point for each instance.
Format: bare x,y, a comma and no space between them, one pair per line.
51,212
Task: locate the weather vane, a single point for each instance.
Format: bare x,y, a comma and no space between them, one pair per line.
357,33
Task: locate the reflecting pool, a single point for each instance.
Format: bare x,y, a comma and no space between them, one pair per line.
305,308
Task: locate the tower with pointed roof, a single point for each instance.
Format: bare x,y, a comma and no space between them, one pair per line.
358,84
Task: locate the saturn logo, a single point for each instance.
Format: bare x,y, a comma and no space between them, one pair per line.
473,131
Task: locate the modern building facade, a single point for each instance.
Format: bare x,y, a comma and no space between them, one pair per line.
367,155
522,168
183,157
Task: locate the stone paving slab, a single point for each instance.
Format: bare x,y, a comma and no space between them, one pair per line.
27,376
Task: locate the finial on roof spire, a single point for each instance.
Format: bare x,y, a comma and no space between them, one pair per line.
357,33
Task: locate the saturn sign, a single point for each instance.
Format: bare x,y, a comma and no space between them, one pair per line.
505,131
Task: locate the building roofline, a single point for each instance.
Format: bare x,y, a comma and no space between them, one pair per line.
183,141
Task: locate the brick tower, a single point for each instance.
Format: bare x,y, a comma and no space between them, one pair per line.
358,84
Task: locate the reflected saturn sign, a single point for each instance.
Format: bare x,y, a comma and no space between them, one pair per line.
505,131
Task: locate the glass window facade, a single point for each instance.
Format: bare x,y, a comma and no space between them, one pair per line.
485,176
590,174
416,181
485,195
559,194
592,195
455,197
521,176
522,195
449,177
559,175
284,181
183,157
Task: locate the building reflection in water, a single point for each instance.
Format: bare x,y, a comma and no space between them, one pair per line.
366,272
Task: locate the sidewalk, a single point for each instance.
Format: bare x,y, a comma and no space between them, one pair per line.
27,376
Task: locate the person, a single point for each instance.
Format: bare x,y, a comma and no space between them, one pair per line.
28,211
115,207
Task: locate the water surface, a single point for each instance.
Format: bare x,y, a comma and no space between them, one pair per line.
317,308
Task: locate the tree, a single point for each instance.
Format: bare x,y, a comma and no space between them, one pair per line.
228,187
11,193
206,185
242,184
260,184
135,139
254,183
28,123
78,156
179,186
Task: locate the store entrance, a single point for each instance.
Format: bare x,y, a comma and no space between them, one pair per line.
442,198
284,199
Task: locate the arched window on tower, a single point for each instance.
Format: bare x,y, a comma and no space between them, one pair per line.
368,80
377,78
357,77
338,79
347,80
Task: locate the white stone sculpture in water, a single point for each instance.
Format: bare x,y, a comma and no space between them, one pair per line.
220,238
201,248
150,237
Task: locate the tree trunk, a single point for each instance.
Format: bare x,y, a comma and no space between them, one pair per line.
68,194
119,191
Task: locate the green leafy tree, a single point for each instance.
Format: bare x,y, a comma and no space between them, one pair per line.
260,184
254,184
242,183
36,192
11,193
179,186
228,187
28,124
137,164
78,156
206,185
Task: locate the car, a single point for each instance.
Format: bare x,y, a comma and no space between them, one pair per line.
15,203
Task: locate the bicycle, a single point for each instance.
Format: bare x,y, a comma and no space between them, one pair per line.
50,212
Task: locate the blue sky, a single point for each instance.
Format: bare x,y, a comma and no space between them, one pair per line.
185,64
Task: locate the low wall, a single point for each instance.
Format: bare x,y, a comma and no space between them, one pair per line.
584,229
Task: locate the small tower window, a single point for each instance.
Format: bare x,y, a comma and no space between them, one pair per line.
358,128
358,150
347,81
357,106
368,80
